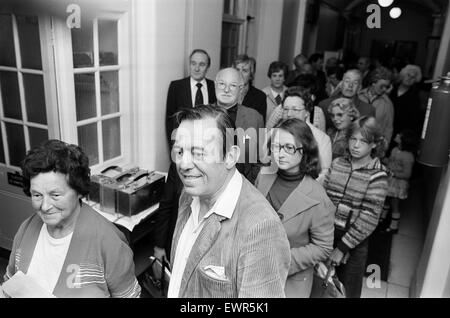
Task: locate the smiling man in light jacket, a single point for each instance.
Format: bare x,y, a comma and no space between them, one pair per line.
228,240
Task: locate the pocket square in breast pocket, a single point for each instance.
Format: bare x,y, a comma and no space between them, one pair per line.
216,272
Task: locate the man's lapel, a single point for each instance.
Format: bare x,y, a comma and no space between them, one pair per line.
187,92
204,241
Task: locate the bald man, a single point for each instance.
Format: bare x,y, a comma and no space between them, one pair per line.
350,86
228,84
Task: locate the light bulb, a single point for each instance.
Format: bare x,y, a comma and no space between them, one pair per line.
385,3
395,12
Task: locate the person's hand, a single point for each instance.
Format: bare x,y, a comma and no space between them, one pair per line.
335,258
160,253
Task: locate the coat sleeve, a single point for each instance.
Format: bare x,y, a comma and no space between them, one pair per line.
367,219
321,232
264,261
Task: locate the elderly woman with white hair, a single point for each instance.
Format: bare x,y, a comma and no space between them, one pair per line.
408,113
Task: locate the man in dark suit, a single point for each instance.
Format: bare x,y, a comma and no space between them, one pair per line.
190,91
228,85
250,96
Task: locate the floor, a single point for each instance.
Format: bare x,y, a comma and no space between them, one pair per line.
405,250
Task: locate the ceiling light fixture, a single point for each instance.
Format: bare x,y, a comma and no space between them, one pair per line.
385,3
395,12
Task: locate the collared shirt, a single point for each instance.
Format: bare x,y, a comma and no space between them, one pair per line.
224,206
204,90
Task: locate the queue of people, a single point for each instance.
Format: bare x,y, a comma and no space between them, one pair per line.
230,223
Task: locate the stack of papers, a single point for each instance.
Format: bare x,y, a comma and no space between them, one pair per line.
23,286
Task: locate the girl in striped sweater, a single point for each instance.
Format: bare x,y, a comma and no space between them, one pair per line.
357,185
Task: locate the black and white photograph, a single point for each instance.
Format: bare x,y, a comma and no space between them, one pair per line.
244,149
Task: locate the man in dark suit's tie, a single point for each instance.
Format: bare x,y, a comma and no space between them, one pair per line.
199,95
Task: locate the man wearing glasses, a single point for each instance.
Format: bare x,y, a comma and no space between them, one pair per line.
298,104
229,83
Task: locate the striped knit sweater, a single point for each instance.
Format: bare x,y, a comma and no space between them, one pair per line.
358,196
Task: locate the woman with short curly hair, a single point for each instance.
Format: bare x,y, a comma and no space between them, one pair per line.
65,247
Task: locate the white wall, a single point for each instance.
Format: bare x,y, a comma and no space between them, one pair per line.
159,42
162,43
268,38
204,28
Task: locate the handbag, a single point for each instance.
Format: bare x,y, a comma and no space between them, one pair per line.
326,286
155,280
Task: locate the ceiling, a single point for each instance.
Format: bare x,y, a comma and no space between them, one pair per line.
348,6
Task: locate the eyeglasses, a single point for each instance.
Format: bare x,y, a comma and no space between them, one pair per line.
232,86
286,109
288,148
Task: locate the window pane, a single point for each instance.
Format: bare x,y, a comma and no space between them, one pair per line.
85,96
30,47
16,143
37,136
82,45
2,151
229,44
227,7
10,94
35,98
107,42
88,141
7,57
109,82
111,138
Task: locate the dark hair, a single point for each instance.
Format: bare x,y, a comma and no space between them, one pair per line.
302,93
409,140
219,114
369,129
380,73
306,82
201,51
58,156
336,70
315,57
277,66
310,163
